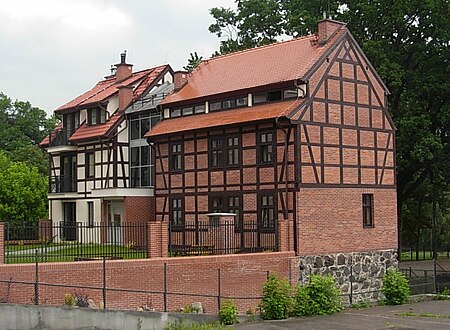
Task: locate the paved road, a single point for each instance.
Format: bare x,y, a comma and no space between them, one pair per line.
374,318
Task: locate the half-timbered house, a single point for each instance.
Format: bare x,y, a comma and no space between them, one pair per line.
94,174
290,142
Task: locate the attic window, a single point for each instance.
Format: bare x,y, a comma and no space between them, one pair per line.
96,116
274,96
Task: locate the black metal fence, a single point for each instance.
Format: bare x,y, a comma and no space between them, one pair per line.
218,238
109,295
74,242
427,278
424,251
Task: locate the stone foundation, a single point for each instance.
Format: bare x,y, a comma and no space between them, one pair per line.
358,274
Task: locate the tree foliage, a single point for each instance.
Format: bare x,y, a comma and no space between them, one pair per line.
23,192
193,61
407,41
22,127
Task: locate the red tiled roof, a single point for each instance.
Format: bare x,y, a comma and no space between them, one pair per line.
222,118
278,62
101,92
106,88
88,132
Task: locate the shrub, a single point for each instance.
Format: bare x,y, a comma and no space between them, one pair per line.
324,294
395,287
302,302
228,313
443,295
320,296
69,300
276,302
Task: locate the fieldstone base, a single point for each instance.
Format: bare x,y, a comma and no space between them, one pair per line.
358,274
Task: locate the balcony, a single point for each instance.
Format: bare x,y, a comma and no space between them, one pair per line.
62,184
60,137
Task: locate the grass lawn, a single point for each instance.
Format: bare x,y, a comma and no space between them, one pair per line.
72,252
428,255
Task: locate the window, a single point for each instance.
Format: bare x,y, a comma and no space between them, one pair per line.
274,96
176,213
199,108
216,152
175,113
259,98
242,101
290,94
71,122
233,151
140,153
176,157
188,111
224,151
90,214
227,204
215,106
267,212
367,205
227,104
90,165
266,148
96,116
140,166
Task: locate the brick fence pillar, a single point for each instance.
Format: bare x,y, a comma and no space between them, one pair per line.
45,230
285,235
158,239
2,242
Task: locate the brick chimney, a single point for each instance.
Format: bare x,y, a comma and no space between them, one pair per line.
326,29
125,96
179,80
123,70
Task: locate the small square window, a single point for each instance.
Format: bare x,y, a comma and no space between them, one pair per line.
215,106
199,108
175,113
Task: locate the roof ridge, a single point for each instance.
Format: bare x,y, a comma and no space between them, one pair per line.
248,50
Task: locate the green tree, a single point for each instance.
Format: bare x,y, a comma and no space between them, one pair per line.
23,192
193,61
22,128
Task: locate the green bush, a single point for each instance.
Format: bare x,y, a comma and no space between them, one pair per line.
228,313
302,304
276,302
395,287
443,295
180,325
319,297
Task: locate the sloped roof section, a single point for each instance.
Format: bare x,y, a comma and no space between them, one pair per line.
278,62
101,92
223,118
104,89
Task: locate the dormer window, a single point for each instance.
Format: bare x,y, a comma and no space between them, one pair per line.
96,116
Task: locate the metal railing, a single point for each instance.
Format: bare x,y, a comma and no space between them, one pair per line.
75,241
60,137
62,183
217,238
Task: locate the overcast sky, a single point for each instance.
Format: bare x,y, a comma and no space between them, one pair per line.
53,50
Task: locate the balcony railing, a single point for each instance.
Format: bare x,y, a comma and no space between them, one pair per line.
60,137
62,184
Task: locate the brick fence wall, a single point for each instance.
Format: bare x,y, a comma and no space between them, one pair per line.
240,276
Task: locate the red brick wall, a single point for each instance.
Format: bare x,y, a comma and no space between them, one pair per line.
139,209
241,276
330,221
